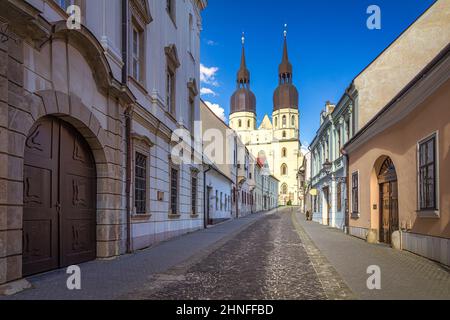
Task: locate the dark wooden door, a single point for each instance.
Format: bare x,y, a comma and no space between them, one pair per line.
59,198
389,222
40,199
77,198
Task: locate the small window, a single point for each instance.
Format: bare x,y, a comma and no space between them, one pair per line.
284,170
137,53
191,34
355,192
194,184
140,184
284,152
174,190
284,189
217,200
240,123
276,122
293,121
427,174
284,123
284,134
248,124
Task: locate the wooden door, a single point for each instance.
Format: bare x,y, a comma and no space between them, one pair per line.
59,198
40,199
78,198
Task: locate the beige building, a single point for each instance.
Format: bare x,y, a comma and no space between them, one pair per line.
276,141
220,166
399,168
368,93
86,121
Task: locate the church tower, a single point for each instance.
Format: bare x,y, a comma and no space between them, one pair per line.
243,103
285,101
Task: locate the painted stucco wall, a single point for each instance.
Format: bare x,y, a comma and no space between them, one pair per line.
399,63
399,142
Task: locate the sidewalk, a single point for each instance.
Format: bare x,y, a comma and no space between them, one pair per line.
403,274
111,279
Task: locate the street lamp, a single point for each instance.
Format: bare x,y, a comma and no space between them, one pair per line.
327,167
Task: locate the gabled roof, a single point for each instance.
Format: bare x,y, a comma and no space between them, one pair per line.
266,123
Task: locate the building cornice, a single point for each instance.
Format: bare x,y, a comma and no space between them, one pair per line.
412,96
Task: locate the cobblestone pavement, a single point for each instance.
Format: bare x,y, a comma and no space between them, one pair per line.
267,261
109,279
404,275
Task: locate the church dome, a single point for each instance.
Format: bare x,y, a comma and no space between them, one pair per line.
243,99
286,94
285,97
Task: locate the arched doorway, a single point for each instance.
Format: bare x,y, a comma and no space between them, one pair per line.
59,214
387,180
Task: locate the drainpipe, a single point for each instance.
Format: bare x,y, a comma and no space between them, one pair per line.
124,41
347,186
128,124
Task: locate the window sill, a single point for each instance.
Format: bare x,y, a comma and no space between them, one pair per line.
193,216
431,214
140,217
174,216
355,216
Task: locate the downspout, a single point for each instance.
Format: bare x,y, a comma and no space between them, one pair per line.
345,154
347,186
128,123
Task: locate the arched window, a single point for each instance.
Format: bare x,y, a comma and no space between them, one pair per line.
293,121
248,124
284,134
284,169
284,152
283,123
240,123
284,189
276,122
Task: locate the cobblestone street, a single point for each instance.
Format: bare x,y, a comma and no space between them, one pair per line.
269,261
277,255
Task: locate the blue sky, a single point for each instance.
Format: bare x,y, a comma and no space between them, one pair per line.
329,44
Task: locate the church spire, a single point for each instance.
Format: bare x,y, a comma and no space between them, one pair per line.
285,68
243,76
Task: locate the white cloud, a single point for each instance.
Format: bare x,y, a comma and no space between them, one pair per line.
217,109
207,91
208,75
211,43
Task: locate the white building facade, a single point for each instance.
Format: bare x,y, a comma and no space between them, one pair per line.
112,97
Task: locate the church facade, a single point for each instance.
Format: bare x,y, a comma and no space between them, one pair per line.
277,139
